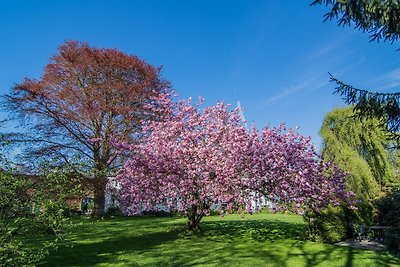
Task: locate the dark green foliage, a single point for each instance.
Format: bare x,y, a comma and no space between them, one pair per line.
337,223
113,211
380,18
388,209
31,210
329,226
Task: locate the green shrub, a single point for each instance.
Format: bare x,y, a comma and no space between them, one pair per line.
337,223
328,226
388,214
31,210
113,211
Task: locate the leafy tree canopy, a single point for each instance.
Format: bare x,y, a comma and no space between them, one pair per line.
86,99
361,148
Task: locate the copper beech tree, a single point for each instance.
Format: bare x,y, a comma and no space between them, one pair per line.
86,98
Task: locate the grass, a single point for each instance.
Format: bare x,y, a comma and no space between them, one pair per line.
256,240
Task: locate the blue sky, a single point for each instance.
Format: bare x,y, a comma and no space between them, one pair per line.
272,56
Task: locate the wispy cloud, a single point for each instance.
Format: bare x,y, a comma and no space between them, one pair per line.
288,91
310,83
389,80
328,50
322,52
312,70
349,67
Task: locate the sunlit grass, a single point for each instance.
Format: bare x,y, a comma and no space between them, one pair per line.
256,240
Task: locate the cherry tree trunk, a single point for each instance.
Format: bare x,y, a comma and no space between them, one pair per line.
193,223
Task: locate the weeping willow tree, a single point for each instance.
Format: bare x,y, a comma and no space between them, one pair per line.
361,148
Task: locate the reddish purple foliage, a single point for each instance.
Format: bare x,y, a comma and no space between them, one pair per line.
86,97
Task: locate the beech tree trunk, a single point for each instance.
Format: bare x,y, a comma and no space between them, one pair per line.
99,187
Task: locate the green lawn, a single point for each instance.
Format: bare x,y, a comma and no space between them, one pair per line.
256,240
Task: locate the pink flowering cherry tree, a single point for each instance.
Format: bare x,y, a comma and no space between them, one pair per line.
188,163
196,158
286,168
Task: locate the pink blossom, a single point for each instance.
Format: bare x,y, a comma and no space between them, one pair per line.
194,159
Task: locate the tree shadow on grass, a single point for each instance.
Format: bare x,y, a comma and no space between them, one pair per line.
108,250
120,226
257,230
333,255
115,242
350,257
220,243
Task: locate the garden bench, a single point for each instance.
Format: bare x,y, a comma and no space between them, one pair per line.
370,233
